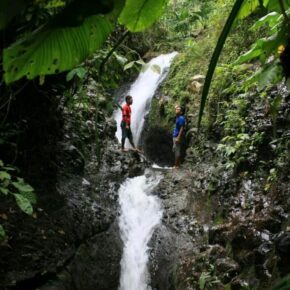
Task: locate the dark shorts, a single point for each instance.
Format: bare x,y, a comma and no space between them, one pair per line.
126,132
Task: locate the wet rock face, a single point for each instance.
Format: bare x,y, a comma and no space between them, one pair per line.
157,146
72,240
96,264
174,238
282,244
227,230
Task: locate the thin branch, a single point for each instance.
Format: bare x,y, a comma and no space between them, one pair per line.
112,50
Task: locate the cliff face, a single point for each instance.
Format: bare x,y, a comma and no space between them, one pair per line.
227,216
69,154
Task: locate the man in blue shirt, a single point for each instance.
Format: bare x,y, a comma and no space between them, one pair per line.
178,134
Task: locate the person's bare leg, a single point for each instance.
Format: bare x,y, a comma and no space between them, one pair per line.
133,145
177,162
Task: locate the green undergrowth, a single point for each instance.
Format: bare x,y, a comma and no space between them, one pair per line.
245,125
195,47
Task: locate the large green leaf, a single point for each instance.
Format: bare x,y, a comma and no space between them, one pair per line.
137,15
216,54
24,204
268,75
264,47
248,7
4,190
121,59
22,186
80,72
55,49
129,65
4,175
271,19
251,54
30,196
274,5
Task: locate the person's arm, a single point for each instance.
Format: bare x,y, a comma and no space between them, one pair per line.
182,125
180,134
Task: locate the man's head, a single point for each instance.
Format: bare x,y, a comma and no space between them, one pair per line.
129,100
178,110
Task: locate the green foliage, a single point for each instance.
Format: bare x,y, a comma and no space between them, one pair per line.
138,15
216,54
261,49
274,109
54,50
73,34
183,20
208,280
250,6
284,284
121,59
264,47
267,76
202,280
79,72
11,185
281,149
240,148
271,179
193,60
270,19
134,63
271,72
23,203
274,5
247,8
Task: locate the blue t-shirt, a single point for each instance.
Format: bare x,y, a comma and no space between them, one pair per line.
180,122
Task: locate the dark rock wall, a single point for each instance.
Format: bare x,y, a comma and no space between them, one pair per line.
234,221
69,154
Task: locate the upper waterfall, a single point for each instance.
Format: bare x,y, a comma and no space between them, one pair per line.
142,91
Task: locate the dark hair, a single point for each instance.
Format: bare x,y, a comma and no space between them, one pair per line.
128,98
181,108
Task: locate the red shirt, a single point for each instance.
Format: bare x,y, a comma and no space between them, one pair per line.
126,112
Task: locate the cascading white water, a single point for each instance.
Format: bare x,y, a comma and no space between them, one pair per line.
140,214
142,92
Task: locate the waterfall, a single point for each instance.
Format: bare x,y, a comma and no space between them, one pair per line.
142,91
140,214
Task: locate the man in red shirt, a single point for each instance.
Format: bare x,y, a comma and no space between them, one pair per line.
126,122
